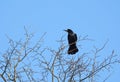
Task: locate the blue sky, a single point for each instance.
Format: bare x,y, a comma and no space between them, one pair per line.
99,19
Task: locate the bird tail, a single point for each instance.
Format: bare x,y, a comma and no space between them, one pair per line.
72,49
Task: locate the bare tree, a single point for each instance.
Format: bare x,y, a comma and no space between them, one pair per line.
27,62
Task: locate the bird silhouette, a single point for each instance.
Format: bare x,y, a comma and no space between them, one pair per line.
72,39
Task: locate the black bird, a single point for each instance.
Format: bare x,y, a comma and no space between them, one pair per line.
72,39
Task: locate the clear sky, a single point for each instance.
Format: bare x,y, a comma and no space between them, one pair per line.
99,19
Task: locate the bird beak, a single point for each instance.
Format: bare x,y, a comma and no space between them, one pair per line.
65,30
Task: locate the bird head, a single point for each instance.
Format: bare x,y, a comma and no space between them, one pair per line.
69,31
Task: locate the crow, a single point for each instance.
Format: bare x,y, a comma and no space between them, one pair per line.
72,39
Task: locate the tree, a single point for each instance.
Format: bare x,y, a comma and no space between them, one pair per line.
26,62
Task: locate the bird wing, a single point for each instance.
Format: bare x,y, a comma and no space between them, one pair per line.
75,37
